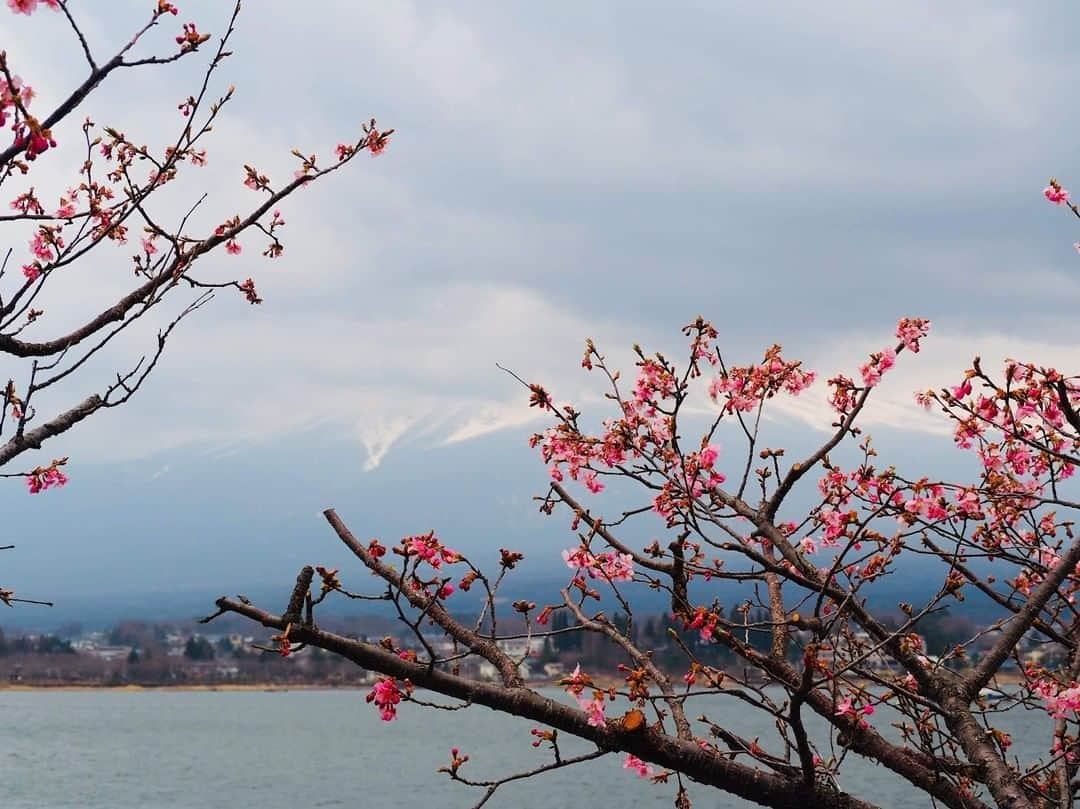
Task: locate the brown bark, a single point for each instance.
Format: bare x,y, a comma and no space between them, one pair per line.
687,757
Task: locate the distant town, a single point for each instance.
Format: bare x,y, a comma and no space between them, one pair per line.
231,652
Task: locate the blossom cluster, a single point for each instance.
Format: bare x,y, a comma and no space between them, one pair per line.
875,368
912,329
643,428
702,620
46,477
30,135
609,565
743,389
848,708
1055,193
386,696
30,6
1061,703
634,763
428,548
594,705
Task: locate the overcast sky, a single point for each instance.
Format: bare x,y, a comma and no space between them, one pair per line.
797,173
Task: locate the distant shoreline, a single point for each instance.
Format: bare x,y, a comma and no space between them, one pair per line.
131,687
1003,679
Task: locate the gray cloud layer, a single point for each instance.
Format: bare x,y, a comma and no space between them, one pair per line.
801,173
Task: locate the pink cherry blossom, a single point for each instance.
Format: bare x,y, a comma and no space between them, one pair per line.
961,390
632,762
912,329
705,622
23,6
386,696
576,558
41,247
1059,703
577,681
617,566
1056,194
429,549
707,457
377,141
743,388
609,565
591,483
67,208
594,709
879,363
41,479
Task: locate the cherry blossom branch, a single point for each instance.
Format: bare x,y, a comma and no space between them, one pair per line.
60,424
1019,623
601,530
645,743
480,645
79,34
602,626
831,651
493,785
997,597
80,93
797,470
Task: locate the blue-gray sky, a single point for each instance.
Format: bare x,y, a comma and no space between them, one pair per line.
798,173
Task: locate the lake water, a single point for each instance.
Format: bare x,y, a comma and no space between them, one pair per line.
196,750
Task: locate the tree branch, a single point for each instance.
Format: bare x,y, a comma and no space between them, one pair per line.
689,758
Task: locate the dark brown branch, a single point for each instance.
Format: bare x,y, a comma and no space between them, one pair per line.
1066,406
979,746
300,591
484,647
799,469
62,423
920,770
492,786
648,744
1021,622
598,527
995,596
602,626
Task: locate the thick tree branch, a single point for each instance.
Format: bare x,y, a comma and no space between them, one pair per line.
1021,622
703,765
33,439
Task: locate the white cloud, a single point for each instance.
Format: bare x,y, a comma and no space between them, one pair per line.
385,378
403,284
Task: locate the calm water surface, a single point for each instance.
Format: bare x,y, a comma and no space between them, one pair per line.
196,750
